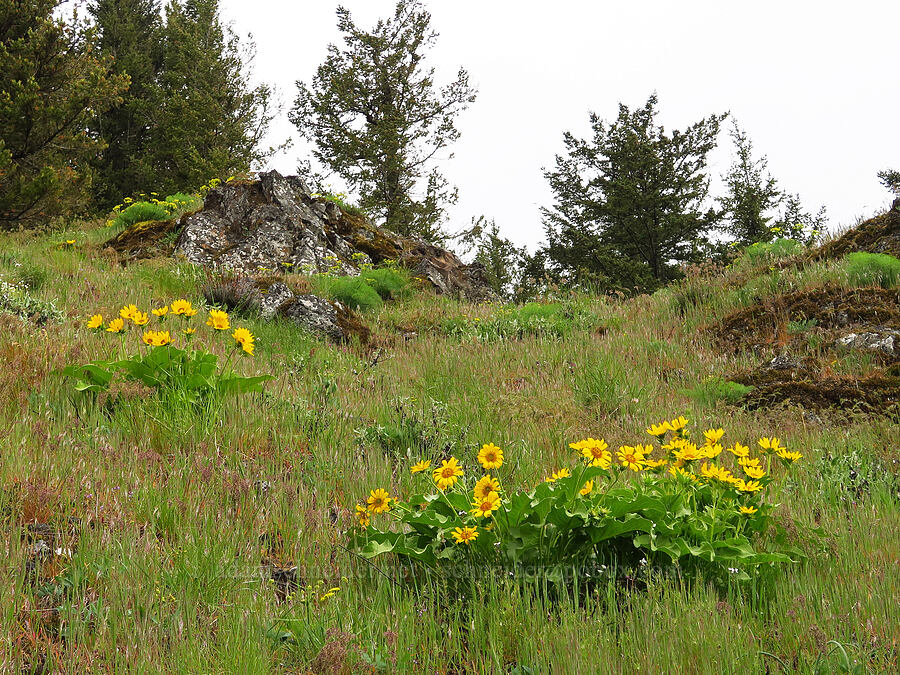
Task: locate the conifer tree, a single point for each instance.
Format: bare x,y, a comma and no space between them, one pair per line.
629,203
379,120
52,83
211,120
130,33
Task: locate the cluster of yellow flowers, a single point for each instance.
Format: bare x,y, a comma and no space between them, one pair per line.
218,320
680,455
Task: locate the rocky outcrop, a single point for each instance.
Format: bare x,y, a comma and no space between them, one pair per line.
880,234
275,224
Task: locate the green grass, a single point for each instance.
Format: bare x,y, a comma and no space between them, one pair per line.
873,269
171,528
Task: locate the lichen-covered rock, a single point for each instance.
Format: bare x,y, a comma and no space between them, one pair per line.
883,341
330,319
275,224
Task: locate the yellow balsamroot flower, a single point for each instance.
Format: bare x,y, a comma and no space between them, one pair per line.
713,436
790,456
95,321
447,473
218,320
115,326
423,465
182,308
594,452
748,461
748,510
631,457
754,472
128,311
485,507
244,338
465,535
161,311
189,331
679,472
739,450
556,475
678,423
659,429
490,456
140,318
157,338
718,473
378,501
485,486
769,444
586,490
655,463
362,515
688,453
711,451
749,486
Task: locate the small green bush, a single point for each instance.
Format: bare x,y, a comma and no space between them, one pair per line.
872,269
773,250
138,213
715,389
389,282
351,291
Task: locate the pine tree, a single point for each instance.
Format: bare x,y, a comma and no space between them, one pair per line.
379,120
890,178
629,202
52,82
130,33
502,260
752,194
211,120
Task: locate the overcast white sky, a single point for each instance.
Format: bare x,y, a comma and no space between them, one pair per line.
816,84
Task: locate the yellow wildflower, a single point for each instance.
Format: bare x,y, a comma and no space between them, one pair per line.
183,308
790,456
688,453
128,311
556,475
748,510
769,444
586,490
422,465
754,472
115,326
95,321
189,331
483,508
244,338
490,456
631,457
711,451
140,318
161,311
659,429
655,463
713,436
218,320
748,486
362,515
485,486
465,535
739,450
447,473
594,452
378,501
678,423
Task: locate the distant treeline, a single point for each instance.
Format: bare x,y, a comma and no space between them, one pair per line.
139,97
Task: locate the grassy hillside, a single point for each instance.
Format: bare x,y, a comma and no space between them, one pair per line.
146,539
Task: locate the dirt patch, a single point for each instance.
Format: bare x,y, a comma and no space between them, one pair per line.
826,311
876,394
147,239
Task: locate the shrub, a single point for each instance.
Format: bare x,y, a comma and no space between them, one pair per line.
351,291
390,283
872,269
773,250
154,209
16,299
715,389
684,507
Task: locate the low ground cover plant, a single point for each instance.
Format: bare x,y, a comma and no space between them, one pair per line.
553,319
674,501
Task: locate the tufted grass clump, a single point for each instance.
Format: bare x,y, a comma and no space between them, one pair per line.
773,250
391,283
351,291
128,213
714,389
872,269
